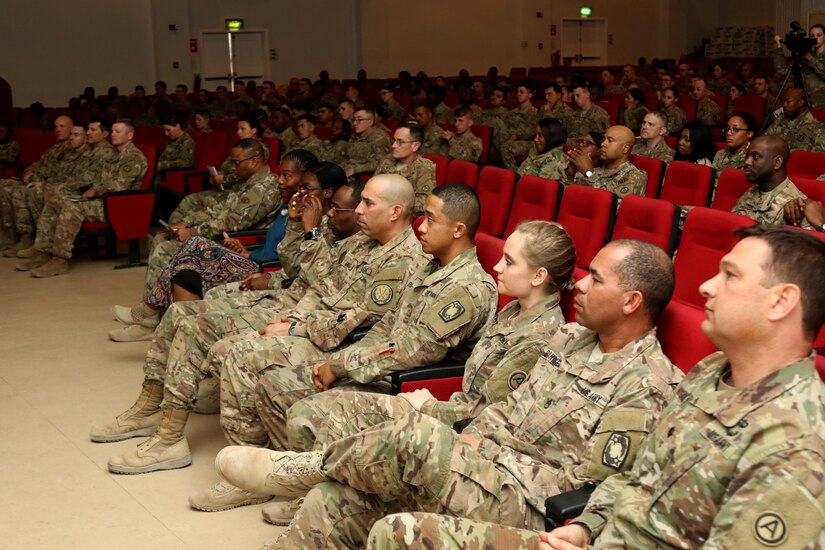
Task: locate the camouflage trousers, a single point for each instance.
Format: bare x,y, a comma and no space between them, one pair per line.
162,246
414,463
422,531
60,223
7,188
243,361
197,202
28,204
512,149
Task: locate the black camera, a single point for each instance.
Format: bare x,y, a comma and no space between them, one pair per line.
798,42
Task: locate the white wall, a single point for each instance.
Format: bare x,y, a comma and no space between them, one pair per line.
51,50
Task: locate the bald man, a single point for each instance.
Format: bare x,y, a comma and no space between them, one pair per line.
616,174
796,125
356,291
765,166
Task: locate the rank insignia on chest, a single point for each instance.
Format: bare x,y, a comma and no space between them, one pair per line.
381,294
451,311
615,451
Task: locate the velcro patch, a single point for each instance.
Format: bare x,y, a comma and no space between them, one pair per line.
770,529
516,378
382,294
451,311
616,450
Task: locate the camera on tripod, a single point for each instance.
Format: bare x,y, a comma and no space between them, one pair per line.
797,40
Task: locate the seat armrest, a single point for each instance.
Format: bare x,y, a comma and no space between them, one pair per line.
565,506
445,369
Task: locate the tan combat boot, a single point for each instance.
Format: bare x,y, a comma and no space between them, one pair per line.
41,258
141,419
141,315
8,237
224,496
283,473
166,450
54,267
281,512
209,396
25,242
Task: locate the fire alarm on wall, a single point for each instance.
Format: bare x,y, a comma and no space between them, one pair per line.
173,27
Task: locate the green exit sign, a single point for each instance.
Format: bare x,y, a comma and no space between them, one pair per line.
233,24
585,11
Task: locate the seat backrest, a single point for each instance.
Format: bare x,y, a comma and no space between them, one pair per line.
808,164
462,171
323,132
731,185
812,188
687,184
535,199
722,101
489,250
587,214
151,154
655,170
612,110
567,303
753,105
707,236
495,192
214,146
651,220
274,145
33,143
199,138
486,134
441,164
689,105
679,330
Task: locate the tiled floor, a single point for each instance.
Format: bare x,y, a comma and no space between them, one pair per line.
59,374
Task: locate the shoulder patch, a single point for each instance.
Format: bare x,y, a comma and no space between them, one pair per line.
382,294
451,311
770,529
615,450
516,378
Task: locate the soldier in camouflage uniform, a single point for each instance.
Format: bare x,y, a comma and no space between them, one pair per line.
40,170
335,150
179,151
797,126
589,117
405,161
432,132
739,131
634,110
676,116
463,144
616,173
367,145
307,140
547,158
494,116
555,106
765,202
736,459
580,416
651,140
222,106
812,66
521,124
392,107
62,218
707,110
9,148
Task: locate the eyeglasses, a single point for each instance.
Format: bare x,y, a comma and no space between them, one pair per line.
338,210
239,161
308,188
587,143
402,142
734,130
361,119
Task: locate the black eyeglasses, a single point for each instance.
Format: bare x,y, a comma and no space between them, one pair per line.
239,161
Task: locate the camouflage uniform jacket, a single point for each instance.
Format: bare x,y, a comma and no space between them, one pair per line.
768,207
624,180
420,173
594,119
311,144
676,118
546,165
709,112
719,86
223,108
443,114
247,205
726,158
288,137
178,153
659,151
126,172
364,150
442,311
9,151
561,112
334,151
433,142
803,132
521,121
813,75
48,165
633,118
369,289
467,147
724,468
501,360
229,178
295,252
395,110
90,166
579,417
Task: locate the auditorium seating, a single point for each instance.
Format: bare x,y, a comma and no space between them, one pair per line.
495,192
212,154
655,170
535,199
812,188
731,185
807,164
651,220
753,105
486,134
679,330
489,250
441,164
687,184
588,215
461,171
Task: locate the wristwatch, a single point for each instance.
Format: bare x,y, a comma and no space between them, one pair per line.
821,228
588,173
313,234
291,330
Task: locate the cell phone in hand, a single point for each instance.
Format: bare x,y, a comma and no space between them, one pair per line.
168,227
